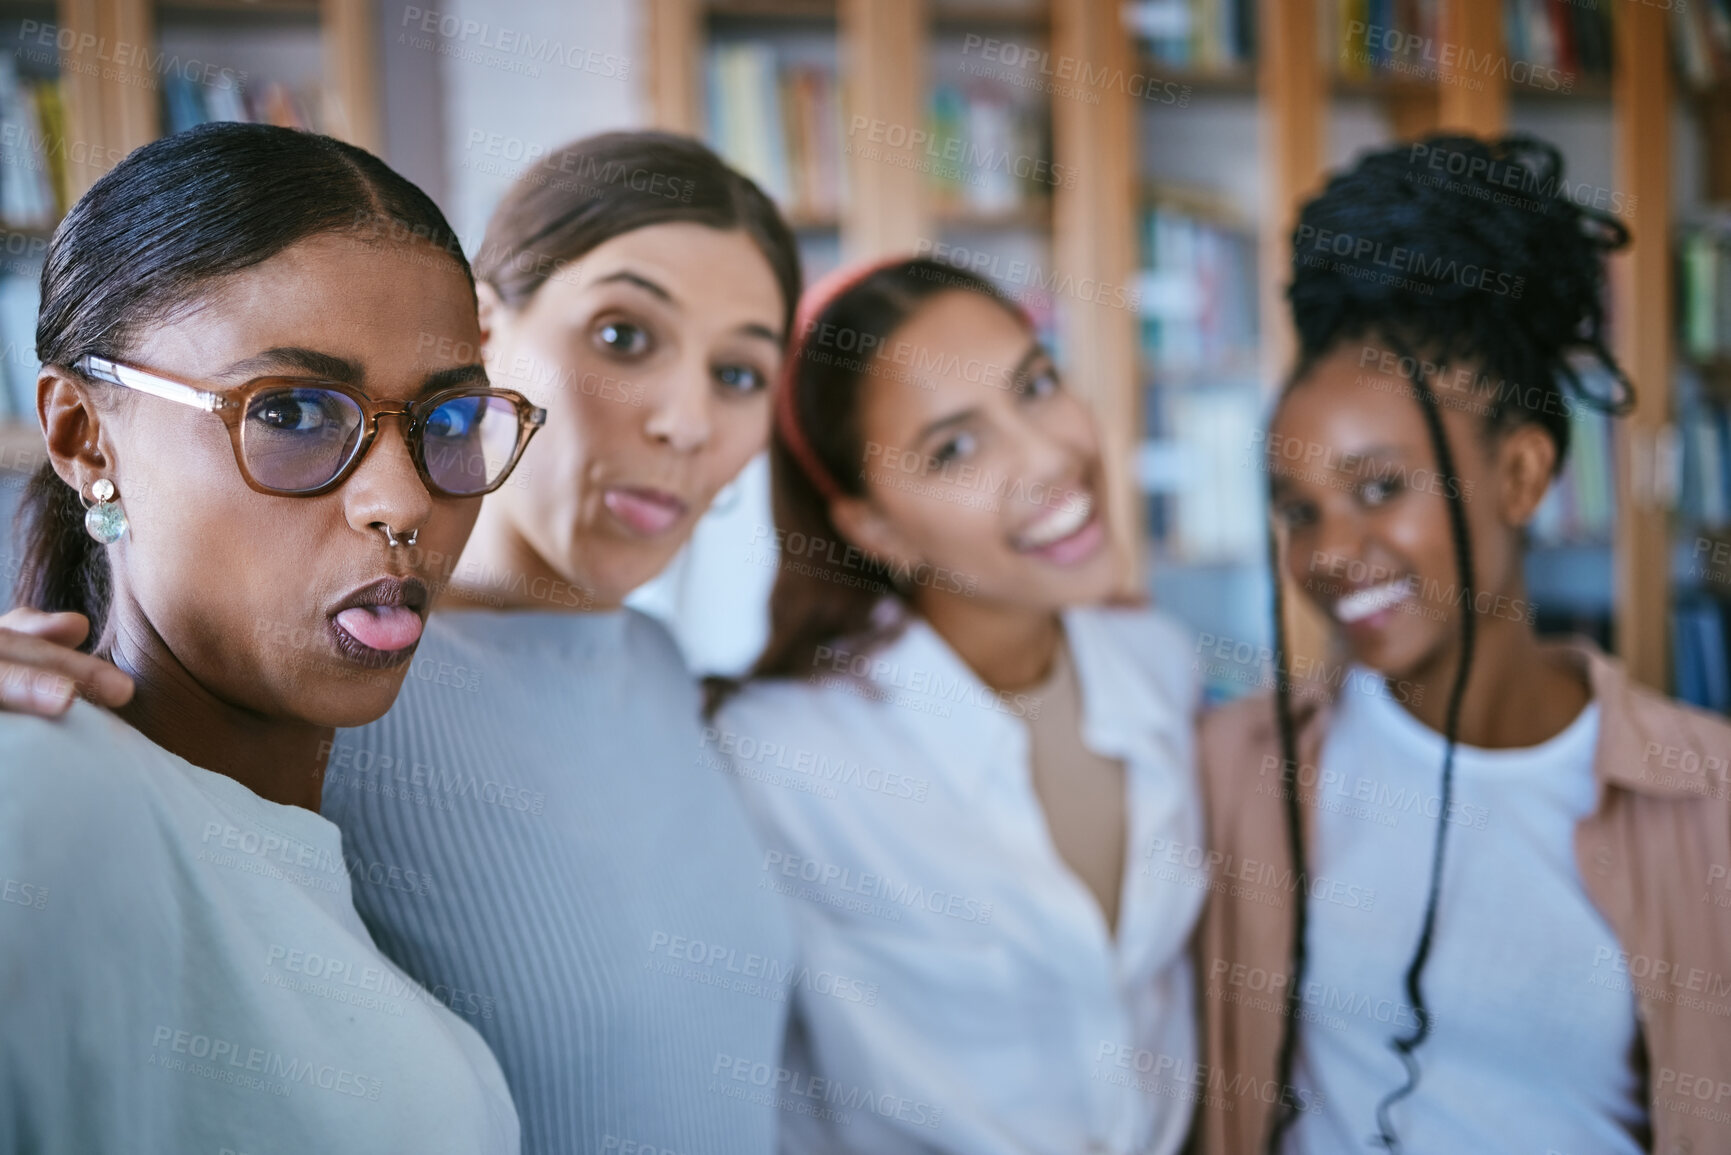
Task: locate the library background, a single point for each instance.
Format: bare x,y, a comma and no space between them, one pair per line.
1163,148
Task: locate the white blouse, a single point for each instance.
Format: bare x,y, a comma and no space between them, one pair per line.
967,993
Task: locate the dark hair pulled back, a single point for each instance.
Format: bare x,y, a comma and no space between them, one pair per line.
144,243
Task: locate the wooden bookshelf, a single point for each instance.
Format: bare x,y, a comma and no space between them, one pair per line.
1292,89
110,118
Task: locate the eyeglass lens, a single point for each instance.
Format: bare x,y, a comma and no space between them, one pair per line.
298,438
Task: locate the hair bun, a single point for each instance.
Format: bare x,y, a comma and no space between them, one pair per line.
1461,244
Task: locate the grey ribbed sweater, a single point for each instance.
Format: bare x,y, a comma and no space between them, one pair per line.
534,835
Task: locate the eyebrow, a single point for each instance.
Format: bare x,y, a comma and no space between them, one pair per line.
962,417
1034,354
626,276
310,361
331,367
469,374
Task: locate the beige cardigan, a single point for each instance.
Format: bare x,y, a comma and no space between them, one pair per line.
1655,856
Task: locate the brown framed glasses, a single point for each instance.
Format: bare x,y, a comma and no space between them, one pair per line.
303,436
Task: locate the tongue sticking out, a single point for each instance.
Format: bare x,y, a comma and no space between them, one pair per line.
384,628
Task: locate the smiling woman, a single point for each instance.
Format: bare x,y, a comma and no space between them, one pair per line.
234,382
962,764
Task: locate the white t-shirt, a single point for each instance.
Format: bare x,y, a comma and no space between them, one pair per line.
1531,1051
182,970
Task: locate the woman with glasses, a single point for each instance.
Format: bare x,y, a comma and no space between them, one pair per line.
541,836
245,433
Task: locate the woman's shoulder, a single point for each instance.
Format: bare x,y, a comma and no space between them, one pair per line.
51,758
79,792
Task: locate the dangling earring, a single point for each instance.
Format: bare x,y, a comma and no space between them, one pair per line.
105,521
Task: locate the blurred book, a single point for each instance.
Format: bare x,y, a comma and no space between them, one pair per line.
1580,506
1700,644
1198,288
187,103
1201,35
18,364
33,189
1704,496
1701,42
780,124
1572,39
988,153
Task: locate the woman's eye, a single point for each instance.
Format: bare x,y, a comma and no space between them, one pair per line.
1379,490
741,378
1041,383
454,418
960,445
623,338
1294,515
291,413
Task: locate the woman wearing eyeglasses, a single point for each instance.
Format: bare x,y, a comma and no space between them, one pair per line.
246,432
537,832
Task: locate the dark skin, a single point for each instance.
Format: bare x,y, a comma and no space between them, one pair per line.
1372,511
244,677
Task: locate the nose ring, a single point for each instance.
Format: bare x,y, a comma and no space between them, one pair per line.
394,540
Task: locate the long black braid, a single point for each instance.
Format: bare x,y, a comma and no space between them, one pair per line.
1479,254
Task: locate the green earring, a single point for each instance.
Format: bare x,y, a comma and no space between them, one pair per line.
105,521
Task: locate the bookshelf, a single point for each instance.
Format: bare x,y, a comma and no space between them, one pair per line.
1273,99
135,69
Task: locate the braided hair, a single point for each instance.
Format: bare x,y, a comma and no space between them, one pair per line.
1446,251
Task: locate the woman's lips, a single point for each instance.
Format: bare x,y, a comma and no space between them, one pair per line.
1068,535
382,628
379,624
650,512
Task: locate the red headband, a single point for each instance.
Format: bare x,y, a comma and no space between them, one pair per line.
819,297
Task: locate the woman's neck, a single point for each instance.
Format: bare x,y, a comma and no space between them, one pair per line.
277,759
500,570
1007,648
1519,692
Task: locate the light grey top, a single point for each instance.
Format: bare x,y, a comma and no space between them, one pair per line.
557,863
182,970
